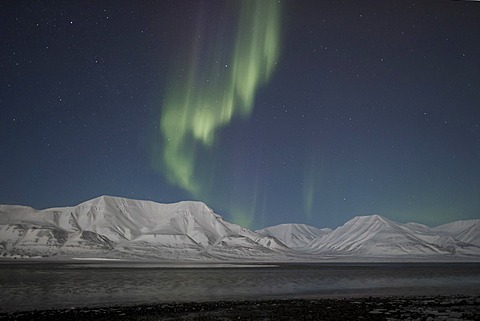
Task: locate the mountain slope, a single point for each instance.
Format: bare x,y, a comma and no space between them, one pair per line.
467,231
293,235
376,236
120,227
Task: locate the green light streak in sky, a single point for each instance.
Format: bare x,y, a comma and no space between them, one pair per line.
308,195
210,93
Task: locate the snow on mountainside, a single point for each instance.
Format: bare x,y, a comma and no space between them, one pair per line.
113,227
119,227
467,231
376,236
294,235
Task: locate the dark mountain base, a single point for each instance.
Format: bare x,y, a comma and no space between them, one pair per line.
372,308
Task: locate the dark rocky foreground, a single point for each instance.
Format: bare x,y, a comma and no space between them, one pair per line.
372,308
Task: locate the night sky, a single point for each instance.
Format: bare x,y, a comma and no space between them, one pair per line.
268,111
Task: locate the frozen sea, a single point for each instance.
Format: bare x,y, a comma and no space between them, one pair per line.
31,286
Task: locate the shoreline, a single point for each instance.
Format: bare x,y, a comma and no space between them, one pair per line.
321,261
457,307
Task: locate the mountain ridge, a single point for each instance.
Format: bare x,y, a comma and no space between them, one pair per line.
116,227
123,224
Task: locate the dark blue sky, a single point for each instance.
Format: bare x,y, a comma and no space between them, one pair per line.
371,107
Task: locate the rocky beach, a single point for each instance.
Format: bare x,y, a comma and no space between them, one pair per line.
365,308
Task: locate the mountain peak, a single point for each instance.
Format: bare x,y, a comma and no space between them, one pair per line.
120,227
293,235
369,219
119,199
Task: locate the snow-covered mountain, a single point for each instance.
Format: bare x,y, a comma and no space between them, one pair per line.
294,235
467,231
119,227
377,236
113,227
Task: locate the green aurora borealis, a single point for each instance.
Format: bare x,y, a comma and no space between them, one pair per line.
214,90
